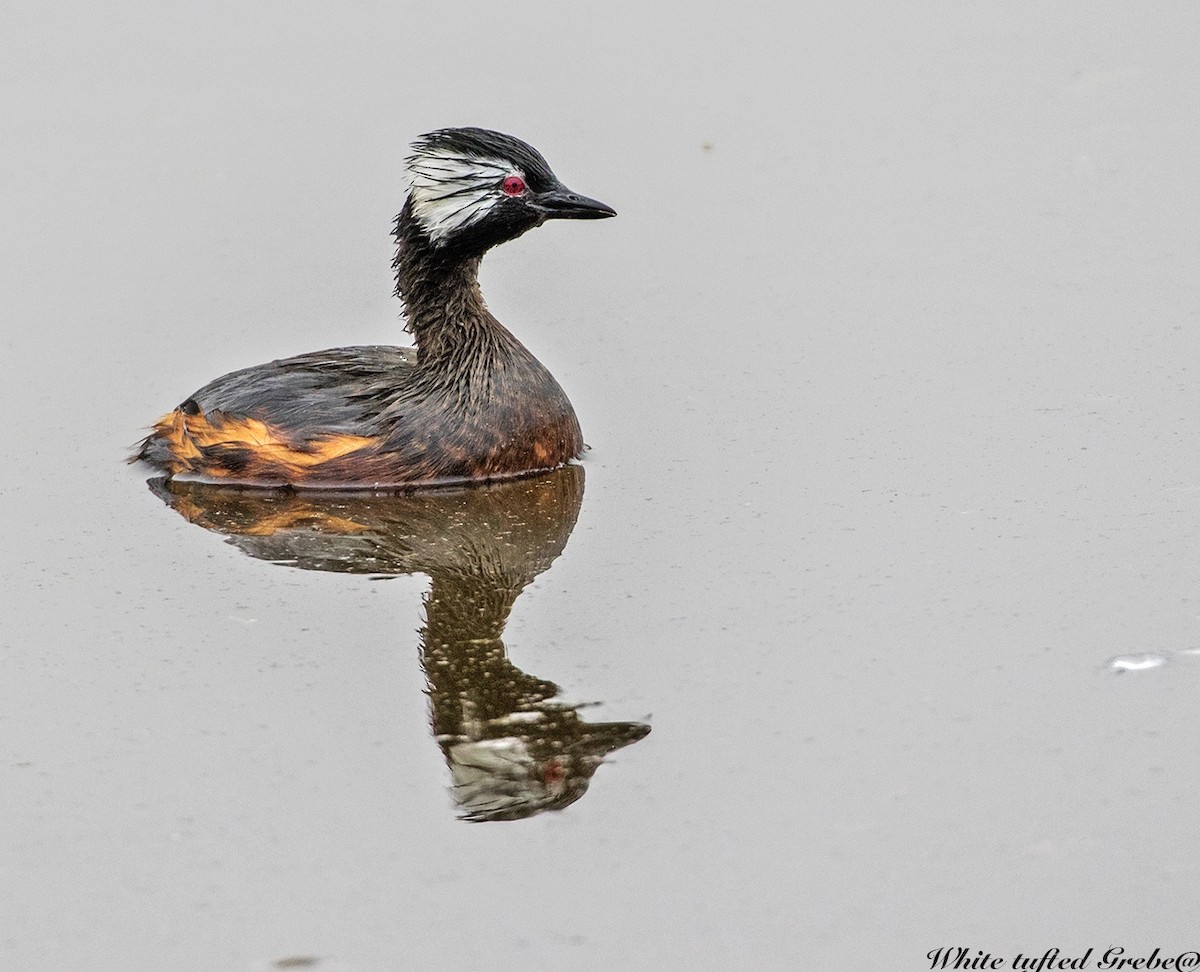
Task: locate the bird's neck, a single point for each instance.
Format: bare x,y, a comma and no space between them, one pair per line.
443,305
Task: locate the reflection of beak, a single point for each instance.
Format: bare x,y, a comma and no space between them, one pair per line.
562,203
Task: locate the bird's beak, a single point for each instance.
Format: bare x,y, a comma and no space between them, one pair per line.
563,203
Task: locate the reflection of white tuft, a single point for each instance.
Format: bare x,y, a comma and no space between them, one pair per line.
450,190
492,776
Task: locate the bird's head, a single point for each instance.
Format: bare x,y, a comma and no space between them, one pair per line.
472,188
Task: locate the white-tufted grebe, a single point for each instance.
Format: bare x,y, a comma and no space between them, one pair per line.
468,403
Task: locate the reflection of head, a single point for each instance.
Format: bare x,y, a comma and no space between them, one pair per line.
513,749
503,779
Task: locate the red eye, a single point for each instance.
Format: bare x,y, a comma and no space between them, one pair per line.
513,186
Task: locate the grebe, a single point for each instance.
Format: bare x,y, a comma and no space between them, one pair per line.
468,403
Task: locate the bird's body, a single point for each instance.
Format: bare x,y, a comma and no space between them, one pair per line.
468,403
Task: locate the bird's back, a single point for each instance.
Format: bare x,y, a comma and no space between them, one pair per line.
281,422
320,393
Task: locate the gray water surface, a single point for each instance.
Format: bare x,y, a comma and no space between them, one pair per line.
888,367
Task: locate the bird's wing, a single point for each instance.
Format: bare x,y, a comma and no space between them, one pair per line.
339,391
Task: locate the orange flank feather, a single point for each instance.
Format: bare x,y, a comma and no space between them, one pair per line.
207,445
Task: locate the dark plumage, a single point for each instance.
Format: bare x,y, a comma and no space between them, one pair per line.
468,403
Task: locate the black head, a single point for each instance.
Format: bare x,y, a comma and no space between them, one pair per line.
473,188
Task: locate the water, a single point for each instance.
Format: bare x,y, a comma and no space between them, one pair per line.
887,366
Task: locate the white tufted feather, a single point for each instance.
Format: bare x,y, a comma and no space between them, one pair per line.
450,190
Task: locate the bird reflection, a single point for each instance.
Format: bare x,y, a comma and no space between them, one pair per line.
512,749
